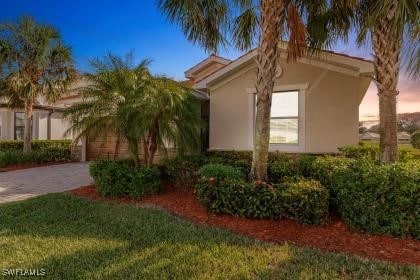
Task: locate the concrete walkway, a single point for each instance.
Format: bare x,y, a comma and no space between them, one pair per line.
21,184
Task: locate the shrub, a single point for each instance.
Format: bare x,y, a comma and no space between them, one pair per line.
239,159
183,171
281,168
305,163
294,200
121,178
6,145
10,157
325,170
238,197
381,199
371,152
304,200
221,172
11,152
415,139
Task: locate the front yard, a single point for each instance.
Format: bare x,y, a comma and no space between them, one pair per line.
74,238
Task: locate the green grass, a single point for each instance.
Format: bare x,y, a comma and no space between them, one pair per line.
73,238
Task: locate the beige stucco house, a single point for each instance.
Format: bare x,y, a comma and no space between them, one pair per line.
315,104
47,120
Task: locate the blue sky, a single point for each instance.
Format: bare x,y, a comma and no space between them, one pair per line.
94,28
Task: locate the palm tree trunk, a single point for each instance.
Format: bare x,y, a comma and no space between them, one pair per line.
271,13
27,135
387,44
117,146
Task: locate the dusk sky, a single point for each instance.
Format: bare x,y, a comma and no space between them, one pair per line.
94,28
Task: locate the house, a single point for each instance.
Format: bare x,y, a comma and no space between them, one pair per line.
369,136
403,137
315,104
47,120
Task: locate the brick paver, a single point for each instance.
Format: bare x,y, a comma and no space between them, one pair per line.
21,184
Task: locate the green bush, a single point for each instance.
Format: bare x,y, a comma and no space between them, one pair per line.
303,200
221,172
325,170
415,139
183,171
381,199
10,157
11,152
122,178
371,152
6,145
281,168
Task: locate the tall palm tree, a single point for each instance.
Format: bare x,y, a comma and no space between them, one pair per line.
394,29
34,63
215,23
137,107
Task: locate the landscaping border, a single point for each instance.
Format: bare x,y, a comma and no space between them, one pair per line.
334,236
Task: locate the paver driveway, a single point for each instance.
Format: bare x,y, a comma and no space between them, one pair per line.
21,184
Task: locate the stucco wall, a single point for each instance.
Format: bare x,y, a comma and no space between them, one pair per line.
331,108
39,124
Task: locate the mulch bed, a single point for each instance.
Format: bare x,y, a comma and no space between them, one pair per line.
20,166
335,236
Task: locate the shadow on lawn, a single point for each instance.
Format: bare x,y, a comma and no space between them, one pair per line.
73,238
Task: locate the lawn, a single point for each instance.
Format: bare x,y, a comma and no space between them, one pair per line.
73,238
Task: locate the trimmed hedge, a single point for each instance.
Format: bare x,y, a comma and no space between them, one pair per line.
220,172
122,178
11,157
415,139
371,152
6,145
11,152
222,190
381,199
183,171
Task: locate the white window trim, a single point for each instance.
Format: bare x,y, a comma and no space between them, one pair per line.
300,147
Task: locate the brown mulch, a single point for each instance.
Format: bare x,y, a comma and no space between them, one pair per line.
20,166
335,236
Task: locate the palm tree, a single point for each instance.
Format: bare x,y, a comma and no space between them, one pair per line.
34,63
171,114
240,22
109,99
394,32
127,101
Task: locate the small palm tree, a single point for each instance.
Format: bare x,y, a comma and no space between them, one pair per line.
240,22
111,97
395,33
171,115
127,101
34,63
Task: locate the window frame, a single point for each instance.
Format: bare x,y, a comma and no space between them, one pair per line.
288,117
302,90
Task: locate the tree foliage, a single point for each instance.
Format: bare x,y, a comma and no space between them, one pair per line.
125,100
34,63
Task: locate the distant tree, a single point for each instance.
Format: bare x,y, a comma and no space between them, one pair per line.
362,130
374,128
34,63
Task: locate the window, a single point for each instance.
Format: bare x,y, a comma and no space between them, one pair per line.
284,121
19,125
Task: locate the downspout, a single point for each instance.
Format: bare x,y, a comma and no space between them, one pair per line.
49,124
